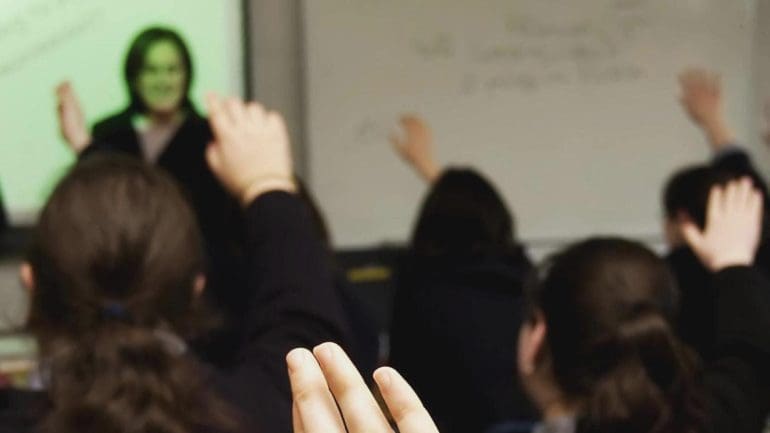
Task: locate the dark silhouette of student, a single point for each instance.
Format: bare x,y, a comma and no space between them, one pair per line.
459,303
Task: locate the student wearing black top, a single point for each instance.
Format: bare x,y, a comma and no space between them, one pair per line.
115,276
598,353
685,197
161,125
458,302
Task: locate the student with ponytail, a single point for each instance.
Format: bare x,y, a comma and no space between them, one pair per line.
116,273
111,303
598,349
598,353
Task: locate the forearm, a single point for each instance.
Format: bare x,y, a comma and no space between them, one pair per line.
294,302
737,379
743,308
718,133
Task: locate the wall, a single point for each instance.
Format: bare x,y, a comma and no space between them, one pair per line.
277,65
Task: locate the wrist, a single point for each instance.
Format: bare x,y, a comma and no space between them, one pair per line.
717,264
79,144
429,171
267,183
717,132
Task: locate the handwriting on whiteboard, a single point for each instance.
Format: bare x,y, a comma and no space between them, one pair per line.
40,26
530,53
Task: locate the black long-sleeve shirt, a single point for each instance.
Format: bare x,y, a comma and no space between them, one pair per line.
292,303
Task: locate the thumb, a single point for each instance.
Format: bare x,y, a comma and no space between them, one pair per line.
213,158
692,234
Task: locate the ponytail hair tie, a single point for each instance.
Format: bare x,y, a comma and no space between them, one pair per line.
115,311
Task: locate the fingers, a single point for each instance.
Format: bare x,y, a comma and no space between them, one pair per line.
408,121
756,205
296,420
696,77
227,115
731,195
236,111
407,409
255,112
745,190
64,96
360,409
699,82
218,117
314,406
691,233
316,385
62,89
738,196
715,205
733,226
413,124
213,158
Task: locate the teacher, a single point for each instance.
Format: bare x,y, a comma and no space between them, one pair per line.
162,126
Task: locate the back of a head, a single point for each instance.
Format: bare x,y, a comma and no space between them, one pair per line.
463,214
607,305
688,191
115,257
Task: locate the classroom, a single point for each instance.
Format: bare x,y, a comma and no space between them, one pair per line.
495,216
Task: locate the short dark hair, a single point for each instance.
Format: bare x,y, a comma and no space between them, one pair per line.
688,191
135,59
463,214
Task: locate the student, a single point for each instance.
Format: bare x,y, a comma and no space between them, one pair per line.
116,272
685,197
161,125
458,302
598,353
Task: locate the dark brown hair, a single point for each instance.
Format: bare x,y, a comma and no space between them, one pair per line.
463,214
115,257
608,305
688,191
136,56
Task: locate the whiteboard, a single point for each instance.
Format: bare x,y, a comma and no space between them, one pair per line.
43,42
570,107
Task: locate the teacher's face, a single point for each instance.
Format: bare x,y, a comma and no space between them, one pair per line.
161,82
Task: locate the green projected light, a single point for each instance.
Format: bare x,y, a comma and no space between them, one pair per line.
44,42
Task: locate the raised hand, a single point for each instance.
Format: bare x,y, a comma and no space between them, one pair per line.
72,123
733,226
326,378
702,100
416,147
250,153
